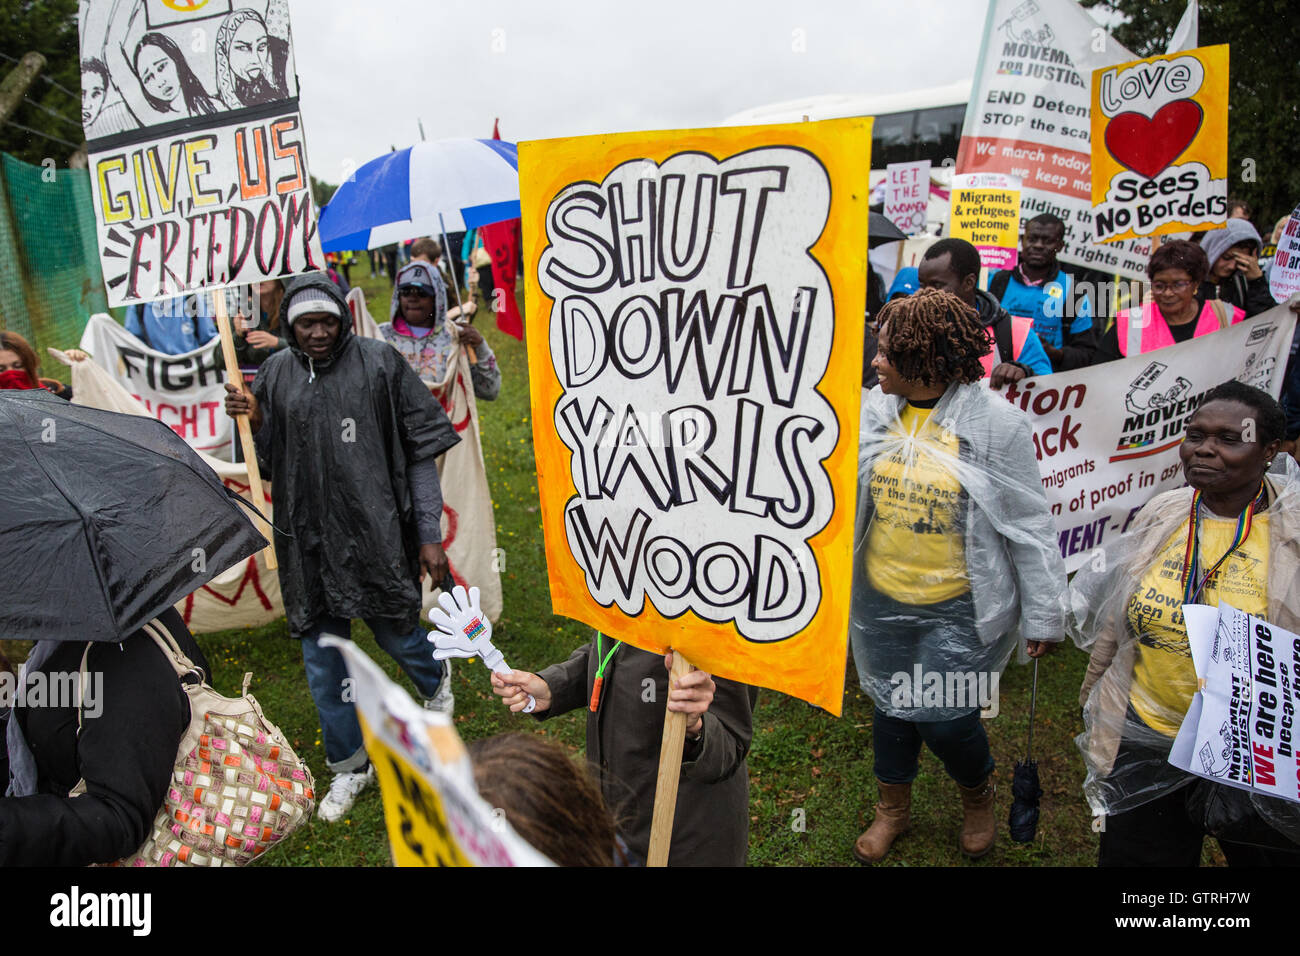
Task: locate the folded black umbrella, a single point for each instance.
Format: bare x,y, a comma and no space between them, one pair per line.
106,520
881,230
1025,791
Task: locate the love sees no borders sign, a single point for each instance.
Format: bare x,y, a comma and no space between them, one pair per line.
1160,144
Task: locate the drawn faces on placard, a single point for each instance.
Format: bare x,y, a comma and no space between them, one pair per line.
250,52
94,90
168,83
246,69
156,69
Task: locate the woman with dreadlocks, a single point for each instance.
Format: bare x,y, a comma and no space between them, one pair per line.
955,562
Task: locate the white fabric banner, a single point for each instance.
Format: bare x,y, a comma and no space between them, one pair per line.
248,595
1029,116
185,392
1107,436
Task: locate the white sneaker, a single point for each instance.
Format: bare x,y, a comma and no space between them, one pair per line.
343,793
442,701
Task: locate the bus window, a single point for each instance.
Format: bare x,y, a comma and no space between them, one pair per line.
893,138
938,133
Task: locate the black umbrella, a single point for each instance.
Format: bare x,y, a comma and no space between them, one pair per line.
106,520
880,230
1025,791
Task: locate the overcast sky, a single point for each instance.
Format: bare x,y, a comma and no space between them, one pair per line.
369,68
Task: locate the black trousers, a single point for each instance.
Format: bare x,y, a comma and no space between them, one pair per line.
1164,833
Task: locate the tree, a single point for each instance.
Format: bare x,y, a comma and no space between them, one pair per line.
322,192
1263,87
53,103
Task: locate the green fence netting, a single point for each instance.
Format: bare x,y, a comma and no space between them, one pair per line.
50,278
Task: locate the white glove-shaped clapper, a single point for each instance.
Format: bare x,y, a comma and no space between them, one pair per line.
463,630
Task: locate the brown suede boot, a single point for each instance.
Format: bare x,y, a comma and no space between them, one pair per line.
892,820
978,825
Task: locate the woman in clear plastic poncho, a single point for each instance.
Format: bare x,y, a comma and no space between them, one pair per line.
1242,514
955,561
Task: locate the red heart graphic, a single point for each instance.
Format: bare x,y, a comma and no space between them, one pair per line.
1149,146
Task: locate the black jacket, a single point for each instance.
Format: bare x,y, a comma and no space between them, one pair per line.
1251,295
711,823
337,440
125,754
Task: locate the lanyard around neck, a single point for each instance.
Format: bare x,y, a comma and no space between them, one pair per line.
1192,557
602,662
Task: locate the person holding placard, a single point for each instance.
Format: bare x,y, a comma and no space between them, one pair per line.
1232,535
956,559
1177,311
625,692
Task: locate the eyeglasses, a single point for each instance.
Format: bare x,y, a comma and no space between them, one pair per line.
1182,285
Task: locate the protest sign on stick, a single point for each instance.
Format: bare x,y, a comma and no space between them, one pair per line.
907,195
695,302
197,154
434,813
1160,145
986,213
198,164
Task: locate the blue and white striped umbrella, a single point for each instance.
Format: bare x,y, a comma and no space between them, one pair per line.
400,195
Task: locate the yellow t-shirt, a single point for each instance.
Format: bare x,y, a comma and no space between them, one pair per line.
915,550
1163,677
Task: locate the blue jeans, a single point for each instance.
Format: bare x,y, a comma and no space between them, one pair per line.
961,744
345,750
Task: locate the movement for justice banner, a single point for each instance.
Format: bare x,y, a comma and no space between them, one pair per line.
1107,436
695,303
1030,116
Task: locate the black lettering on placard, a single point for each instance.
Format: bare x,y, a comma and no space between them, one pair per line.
701,486
214,207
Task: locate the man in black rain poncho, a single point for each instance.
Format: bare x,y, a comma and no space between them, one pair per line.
348,435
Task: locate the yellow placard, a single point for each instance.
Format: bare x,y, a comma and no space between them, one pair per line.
1160,144
695,317
417,823
989,219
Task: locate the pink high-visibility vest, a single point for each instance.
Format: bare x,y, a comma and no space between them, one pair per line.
1020,329
1155,330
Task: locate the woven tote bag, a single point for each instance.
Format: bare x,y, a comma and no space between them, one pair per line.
237,789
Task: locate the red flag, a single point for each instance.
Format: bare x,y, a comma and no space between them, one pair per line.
502,240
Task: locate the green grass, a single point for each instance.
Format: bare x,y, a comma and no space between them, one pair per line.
802,758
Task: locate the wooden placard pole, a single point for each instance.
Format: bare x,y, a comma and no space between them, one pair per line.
236,377
670,771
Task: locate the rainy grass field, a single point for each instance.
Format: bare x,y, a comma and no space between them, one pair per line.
811,786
